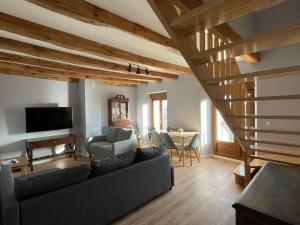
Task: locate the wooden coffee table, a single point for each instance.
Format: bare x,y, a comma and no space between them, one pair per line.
20,166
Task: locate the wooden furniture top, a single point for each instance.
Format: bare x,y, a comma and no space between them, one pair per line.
122,123
52,138
182,134
277,186
22,162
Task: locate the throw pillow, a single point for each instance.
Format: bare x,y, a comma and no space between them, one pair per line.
113,163
49,180
149,153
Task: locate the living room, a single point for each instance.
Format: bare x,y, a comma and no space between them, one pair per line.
158,132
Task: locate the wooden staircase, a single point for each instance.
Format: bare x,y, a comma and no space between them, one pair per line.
200,32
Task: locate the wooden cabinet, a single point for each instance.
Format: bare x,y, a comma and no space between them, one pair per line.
118,110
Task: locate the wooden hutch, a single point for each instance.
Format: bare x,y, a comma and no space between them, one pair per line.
118,112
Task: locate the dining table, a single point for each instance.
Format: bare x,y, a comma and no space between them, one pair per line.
182,138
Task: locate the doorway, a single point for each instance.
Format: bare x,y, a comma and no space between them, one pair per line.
159,111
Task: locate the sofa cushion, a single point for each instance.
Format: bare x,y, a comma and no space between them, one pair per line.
149,153
41,182
102,148
107,165
123,134
112,134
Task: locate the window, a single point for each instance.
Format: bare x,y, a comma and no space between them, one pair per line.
159,111
223,131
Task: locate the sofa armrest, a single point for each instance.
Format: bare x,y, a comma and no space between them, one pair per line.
95,139
9,202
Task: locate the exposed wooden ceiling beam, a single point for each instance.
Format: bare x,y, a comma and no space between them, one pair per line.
281,37
216,12
59,38
224,30
27,70
7,57
47,53
91,14
117,84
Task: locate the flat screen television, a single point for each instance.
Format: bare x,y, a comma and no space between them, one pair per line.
48,118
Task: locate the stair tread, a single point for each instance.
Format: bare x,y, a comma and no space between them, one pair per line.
246,77
240,170
262,98
263,130
278,158
264,116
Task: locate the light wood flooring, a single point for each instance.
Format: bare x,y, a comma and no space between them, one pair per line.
203,194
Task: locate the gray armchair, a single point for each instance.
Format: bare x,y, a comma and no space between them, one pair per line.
117,141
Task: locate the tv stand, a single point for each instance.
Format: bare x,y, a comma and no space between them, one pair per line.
33,144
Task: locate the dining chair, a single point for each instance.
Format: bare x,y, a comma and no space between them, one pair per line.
170,145
192,146
156,138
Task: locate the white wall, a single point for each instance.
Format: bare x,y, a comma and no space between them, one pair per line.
265,21
184,96
16,93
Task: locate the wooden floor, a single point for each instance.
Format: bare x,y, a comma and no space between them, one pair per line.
203,194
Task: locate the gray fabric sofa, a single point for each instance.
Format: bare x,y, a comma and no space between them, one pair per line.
116,141
94,201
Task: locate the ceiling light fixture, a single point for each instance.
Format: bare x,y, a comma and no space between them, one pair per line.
129,68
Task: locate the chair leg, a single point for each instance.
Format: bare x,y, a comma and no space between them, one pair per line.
183,156
171,155
191,157
180,155
90,155
197,155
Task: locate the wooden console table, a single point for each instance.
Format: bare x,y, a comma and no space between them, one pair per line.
32,144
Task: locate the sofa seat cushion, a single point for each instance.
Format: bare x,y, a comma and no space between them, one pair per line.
49,180
107,165
112,134
149,153
124,134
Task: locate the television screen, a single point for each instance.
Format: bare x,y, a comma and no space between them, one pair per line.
52,118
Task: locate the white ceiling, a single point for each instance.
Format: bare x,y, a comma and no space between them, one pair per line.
138,11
